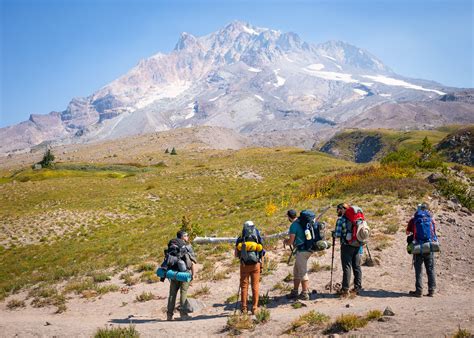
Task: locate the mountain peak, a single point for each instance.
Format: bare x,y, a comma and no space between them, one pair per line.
185,41
351,55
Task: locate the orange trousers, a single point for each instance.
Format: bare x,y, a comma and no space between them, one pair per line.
252,272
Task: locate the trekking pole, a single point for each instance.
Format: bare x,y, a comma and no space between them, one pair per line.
291,254
237,301
332,263
370,256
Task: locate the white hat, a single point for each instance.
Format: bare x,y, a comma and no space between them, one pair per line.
248,223
363,232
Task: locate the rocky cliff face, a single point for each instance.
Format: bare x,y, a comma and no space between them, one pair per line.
459,146
253,80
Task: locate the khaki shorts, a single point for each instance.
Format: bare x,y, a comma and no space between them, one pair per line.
300,269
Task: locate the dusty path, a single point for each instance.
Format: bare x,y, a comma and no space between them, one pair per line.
384,285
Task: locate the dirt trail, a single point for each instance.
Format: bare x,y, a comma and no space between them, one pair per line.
384,285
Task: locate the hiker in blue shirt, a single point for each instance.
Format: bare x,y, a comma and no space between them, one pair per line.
300,269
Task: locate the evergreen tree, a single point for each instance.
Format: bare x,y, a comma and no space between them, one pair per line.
48,159
173,152
167,151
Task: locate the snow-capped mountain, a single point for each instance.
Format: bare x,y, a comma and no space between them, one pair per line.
250,79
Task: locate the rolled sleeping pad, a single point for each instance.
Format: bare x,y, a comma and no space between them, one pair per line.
174,275
250,246
323,245
416,249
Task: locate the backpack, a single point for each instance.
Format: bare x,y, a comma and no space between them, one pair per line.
250,234
314,232
176,256
423,229
356,217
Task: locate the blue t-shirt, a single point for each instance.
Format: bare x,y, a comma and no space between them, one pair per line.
297,230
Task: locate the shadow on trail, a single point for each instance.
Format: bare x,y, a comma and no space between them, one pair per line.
382,294
159,320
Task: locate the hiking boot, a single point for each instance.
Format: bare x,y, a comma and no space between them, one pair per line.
244,311
254,311
356,291
169,317
343,293
304,295
417,294
293,294
431,293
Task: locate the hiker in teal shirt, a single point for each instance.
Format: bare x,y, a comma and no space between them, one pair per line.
300,269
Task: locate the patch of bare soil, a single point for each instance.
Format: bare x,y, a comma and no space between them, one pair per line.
385,285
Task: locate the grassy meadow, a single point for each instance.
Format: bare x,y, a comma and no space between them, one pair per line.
82,220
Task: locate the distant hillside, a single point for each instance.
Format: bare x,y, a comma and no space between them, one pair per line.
459,146
362,146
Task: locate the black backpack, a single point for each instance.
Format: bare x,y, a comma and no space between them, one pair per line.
313,230
250,234
176,256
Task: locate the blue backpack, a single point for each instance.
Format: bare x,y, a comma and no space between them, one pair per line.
424,231
311,230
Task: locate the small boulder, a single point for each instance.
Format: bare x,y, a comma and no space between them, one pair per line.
435,177
194,305
388,311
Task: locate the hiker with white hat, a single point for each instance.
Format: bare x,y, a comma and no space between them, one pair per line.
353,231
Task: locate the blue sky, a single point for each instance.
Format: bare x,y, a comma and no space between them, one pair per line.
54,50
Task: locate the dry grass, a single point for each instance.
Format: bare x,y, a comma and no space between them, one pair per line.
236,323
316,267
202,291
117,332
145,297
14,304
312,320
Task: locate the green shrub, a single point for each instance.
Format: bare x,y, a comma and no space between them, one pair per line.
452,188
100,277
238,322
374,315
232,299
117,332
262,315
146,266
149,277
346,323
462,333
313,319
402,157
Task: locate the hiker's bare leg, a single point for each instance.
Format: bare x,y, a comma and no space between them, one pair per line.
296,284
305,285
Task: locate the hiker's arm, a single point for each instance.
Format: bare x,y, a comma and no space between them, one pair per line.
290,241
192,271
410,227
262,263
236,253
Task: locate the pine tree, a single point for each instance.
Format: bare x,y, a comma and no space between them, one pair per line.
426,149
173,152
48,158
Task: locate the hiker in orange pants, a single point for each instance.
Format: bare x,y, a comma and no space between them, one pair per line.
251,263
